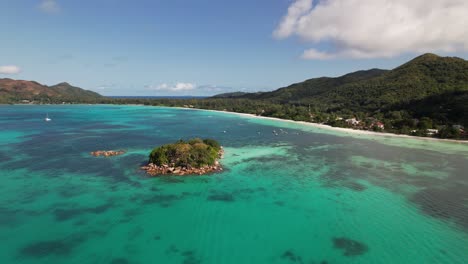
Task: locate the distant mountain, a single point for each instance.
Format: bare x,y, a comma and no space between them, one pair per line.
428,85
229,95
13,91
374,89
312,89
428,92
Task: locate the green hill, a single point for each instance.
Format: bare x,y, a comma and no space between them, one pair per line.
430,88
312,89
69,92
16,91
230,95
428,92
375,89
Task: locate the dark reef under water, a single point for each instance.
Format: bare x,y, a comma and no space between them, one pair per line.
308,196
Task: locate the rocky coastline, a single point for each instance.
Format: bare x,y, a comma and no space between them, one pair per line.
107,153
170,169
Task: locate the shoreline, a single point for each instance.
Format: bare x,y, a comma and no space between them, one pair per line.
310,124
328,127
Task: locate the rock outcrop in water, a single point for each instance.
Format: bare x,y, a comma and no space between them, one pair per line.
107,153
193,157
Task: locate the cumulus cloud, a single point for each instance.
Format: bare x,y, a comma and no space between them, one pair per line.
49,6
376,28
189,88
297,10
9,69
176,87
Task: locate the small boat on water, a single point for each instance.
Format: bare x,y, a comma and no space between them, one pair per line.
47,119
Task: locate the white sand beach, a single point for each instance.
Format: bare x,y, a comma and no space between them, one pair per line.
339,129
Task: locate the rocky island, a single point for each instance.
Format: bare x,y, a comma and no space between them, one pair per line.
192,157
107,153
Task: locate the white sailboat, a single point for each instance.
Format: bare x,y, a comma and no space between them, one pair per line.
47,119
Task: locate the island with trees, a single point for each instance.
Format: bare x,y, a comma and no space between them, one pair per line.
192,157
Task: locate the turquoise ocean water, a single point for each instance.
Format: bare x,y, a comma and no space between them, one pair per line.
306,195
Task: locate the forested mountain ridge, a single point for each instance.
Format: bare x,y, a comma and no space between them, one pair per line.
15,91
375,89
427,96
428,93
317,87
230,95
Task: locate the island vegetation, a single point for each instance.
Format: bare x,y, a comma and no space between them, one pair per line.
195,156
427,96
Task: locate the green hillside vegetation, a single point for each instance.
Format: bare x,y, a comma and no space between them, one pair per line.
428,92
69,93
18,91
428,87
375,89
192,153
230,95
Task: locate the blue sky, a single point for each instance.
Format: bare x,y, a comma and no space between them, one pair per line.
200,47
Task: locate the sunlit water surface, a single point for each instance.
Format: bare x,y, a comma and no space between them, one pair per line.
303,196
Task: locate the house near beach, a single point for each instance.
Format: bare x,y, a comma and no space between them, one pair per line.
431,132
353,121
379,125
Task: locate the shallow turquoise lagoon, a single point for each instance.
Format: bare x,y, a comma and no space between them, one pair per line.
305,196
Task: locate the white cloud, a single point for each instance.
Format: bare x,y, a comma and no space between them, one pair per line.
189,88
106,86
180,86
9,69
213,88
295,11
49,6
377,28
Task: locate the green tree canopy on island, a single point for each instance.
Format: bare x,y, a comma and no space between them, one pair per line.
192,153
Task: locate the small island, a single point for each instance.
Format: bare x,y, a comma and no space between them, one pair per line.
107,153
193,157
